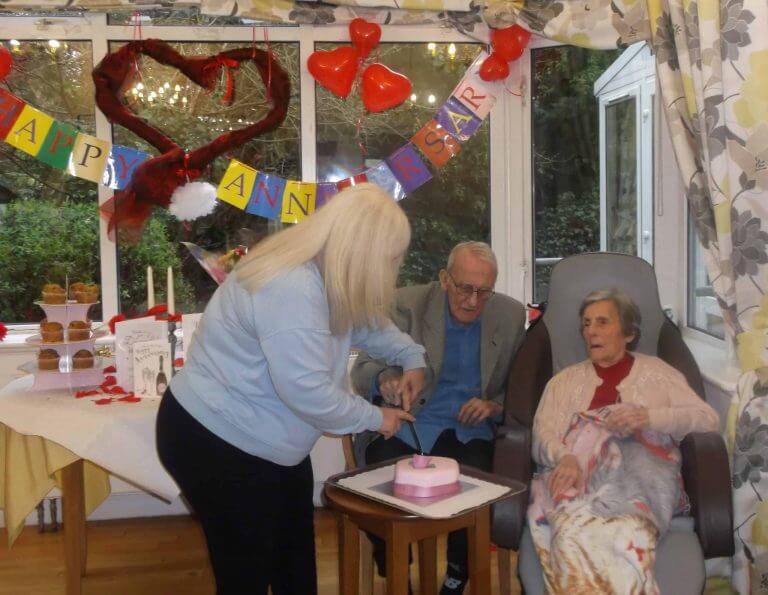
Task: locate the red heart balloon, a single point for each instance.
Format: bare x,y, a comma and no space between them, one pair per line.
155,179
365,36
6,62
335,69
494,68
384,88
510,42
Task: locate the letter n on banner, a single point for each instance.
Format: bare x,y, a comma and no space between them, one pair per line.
436,143
457,119
29,131
236,185
10,108
58,145
298,201
408,168
266,196
89,158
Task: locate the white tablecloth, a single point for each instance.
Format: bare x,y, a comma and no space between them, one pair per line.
119,437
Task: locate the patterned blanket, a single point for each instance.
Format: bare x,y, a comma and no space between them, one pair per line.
601,536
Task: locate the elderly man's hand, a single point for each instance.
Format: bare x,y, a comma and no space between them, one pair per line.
411,385
626,419
477,410
566,475
389,385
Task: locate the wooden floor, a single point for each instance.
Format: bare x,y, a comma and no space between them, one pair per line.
160,556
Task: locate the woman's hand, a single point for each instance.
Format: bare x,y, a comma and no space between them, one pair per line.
625,420
566,475
391,419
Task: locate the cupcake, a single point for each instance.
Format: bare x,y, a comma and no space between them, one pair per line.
87,294
74,288
79,330
54,294
48,359
51,332
82,359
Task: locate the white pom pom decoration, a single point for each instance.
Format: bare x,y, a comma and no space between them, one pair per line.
193,200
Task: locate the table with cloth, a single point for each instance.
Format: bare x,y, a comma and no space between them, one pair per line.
50,438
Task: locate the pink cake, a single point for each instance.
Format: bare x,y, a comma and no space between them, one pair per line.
426,477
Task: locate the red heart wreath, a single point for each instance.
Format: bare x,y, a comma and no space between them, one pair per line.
154,181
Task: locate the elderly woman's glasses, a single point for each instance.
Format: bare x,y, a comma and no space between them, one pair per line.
466,290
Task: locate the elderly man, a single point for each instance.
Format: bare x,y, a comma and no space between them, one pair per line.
470,334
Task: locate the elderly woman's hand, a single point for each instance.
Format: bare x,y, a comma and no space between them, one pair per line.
625,419
566,475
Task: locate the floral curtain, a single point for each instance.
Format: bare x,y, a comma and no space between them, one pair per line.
712,65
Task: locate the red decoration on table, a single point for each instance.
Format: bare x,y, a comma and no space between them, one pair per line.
384,88
154,181
494,68
364,35
3,331
109,370
160,312
178,362
130,398
105,401
335,69
6,62
86,393
109,381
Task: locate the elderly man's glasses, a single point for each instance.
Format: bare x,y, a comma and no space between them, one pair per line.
466,290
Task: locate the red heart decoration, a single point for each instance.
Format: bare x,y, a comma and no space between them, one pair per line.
494,68
154,180
510,42
365,36
335,69
384,88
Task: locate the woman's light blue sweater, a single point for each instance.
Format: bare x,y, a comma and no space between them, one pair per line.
265,373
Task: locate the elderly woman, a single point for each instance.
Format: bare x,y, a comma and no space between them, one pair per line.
605,436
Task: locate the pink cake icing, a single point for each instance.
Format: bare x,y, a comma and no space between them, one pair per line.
426,477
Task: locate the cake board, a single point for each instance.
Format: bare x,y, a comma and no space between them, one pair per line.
477,489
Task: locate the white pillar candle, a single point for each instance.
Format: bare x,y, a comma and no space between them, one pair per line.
171,305
150,289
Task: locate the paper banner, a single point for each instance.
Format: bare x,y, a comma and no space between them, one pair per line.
477,95
29,131
121,164
353,181
298,201
89,157
266,197
58,145
408,168
10,108
437,145
325,192
237,184
383,177
457,119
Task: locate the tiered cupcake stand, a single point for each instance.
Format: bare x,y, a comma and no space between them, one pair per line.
66,376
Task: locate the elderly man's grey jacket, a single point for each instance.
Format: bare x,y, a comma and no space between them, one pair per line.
420,312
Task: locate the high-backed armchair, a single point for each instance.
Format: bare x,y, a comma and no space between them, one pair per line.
554,343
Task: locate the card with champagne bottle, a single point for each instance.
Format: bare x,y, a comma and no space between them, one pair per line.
151,368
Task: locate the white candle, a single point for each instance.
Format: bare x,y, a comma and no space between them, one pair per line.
171,306
150,289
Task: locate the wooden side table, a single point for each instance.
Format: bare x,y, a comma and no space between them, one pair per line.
399,528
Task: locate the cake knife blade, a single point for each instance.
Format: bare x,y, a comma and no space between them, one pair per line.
415,437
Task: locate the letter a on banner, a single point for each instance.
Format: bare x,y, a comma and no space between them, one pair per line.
29,131
298,201
89,157
236,185
457,119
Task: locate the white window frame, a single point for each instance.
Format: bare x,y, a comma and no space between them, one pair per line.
510,206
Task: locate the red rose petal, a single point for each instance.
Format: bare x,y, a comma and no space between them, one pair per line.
85,393
110,370
178,362
106,401
109,381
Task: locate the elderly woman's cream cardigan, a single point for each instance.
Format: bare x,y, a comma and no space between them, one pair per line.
673,407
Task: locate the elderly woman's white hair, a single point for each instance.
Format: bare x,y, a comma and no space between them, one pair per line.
358,241
629,313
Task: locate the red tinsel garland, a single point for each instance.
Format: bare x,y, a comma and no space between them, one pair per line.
3,331
154,181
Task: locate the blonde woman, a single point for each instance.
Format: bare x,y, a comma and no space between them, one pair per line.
267,375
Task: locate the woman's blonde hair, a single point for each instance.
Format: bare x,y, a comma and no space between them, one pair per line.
357,240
